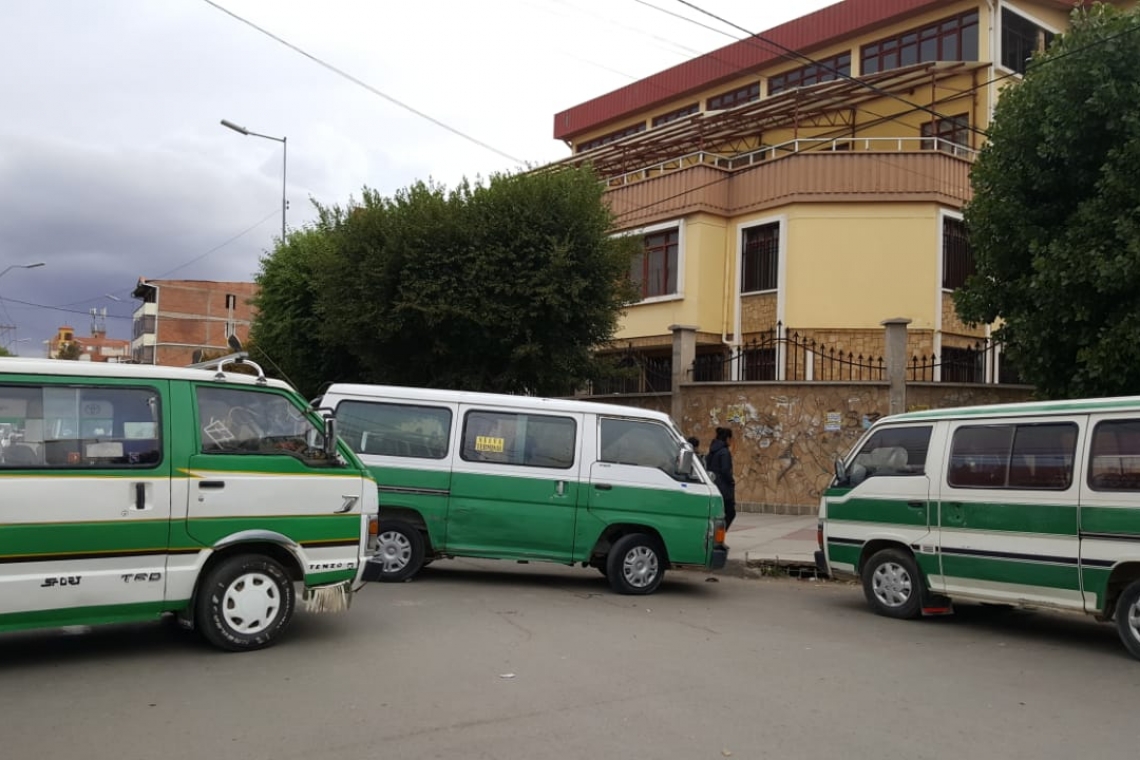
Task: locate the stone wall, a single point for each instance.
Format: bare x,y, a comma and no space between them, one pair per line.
787,435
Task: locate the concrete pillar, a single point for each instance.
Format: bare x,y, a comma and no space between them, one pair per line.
896,362
684,353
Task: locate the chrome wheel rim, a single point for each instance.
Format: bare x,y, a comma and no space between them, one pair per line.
639,567
251,603
892,584
395,551
1134,620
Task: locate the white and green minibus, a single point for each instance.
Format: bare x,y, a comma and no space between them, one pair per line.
131,492
1032,504
530,479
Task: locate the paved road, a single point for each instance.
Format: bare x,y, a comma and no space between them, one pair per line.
771,668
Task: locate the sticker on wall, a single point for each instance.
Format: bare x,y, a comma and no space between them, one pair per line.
834,422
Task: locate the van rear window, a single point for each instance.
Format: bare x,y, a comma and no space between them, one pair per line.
1030,456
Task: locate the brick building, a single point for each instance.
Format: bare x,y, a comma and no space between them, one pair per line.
179,319
96,347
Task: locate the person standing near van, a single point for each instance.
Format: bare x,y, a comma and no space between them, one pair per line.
719,463
696,444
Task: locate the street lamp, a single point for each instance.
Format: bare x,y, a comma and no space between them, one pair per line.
284,163
21,266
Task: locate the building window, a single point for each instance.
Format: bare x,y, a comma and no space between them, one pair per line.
951,134
823,71
963,365
680,113
957,255
654,271
733,98
952,39
759,364
1020,39
231,301
621,134
761,258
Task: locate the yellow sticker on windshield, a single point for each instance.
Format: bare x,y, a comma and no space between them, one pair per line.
487,443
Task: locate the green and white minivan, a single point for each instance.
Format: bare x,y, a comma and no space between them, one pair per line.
131,492
1034,504
530,479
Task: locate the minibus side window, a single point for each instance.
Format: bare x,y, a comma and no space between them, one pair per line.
1028,456
641,444
396,430
79,427
1115,457
893,451
237,421
516,438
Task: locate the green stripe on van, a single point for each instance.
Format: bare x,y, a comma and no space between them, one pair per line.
1122,520
889,511
110,613
1023,572
1052,519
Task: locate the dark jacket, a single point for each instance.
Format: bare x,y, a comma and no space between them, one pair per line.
719,462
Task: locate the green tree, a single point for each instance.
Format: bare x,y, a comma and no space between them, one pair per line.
70,351
287,337
1055,218
5,352
505,286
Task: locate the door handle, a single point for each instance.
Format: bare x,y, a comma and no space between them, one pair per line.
211,484
916,504
560,488
603,486
140,495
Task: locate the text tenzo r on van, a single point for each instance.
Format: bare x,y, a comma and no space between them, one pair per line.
1034,504
512,477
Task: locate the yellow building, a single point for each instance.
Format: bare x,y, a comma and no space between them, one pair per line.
810,180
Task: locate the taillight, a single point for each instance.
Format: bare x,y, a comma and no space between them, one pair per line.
819,535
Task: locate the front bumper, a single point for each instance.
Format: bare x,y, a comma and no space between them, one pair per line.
372,571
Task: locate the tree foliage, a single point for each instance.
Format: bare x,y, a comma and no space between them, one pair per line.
69,351
505,286
1055,218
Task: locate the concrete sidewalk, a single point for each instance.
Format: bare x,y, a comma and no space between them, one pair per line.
761,540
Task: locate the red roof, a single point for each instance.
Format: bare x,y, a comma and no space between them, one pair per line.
802,34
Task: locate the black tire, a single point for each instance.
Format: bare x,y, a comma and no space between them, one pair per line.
1128,618
893,585
635,564
400,554
268,595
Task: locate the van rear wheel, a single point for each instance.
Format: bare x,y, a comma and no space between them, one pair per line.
400,551
892,584
635,564
244,603
1128,618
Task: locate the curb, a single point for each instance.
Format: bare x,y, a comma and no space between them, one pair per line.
767,568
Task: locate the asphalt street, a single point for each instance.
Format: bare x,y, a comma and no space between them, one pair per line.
498,660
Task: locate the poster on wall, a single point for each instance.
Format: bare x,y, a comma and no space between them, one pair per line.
834,422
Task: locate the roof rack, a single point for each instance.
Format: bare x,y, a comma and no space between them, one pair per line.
219,364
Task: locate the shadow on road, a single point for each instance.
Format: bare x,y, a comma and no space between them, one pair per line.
135,641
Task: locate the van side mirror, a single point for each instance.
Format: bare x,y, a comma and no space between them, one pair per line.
684,463
840,472
330,437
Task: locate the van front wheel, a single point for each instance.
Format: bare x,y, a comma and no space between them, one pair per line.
400,551
1128,618
244,603
635,564
892,584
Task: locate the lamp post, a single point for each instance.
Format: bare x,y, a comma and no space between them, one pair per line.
284,163
21,266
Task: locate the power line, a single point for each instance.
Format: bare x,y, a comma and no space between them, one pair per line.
365,85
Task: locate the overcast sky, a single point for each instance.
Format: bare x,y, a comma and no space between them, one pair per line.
113,164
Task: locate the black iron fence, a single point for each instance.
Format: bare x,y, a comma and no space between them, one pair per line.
800,358
634,372
980,362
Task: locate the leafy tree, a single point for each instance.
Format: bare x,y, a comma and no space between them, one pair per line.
5,352
505,286
287,335
69,351
1055,218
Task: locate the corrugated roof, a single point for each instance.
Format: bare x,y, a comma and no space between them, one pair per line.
802,34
